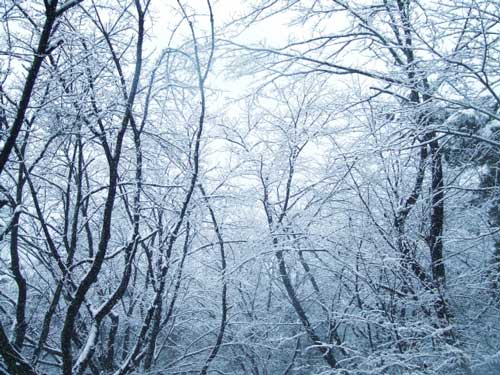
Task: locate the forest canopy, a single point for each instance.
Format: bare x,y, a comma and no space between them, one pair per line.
264,187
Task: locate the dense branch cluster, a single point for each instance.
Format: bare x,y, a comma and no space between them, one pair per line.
182,192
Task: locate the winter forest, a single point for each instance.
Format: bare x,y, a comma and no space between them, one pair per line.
262,187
